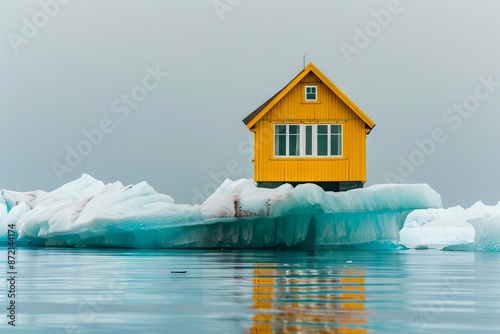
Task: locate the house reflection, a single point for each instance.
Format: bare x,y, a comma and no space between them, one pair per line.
308,301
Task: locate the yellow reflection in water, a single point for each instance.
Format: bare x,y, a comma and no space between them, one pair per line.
308,301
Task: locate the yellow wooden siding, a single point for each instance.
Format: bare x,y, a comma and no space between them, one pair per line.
329,109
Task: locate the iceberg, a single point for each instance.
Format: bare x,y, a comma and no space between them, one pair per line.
88,213
486,224
438,227
474,229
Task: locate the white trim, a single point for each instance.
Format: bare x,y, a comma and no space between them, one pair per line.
316,93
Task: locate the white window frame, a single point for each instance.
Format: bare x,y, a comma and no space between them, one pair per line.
287,142
315,93
302,141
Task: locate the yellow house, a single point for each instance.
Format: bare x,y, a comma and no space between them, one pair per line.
310,132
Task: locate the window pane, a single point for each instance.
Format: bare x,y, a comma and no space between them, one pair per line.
309,139
294,149
322,129
336,129
336,145
280,140
280,145
294,140
322,145
336,140
294,129
280,129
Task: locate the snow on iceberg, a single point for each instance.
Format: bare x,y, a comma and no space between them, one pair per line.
86,212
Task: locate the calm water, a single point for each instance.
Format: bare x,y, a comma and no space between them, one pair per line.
134,291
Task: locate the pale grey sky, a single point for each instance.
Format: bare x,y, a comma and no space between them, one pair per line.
73,69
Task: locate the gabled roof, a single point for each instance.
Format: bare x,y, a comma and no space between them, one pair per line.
258,113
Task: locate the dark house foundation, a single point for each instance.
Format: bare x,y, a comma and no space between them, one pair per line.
327,186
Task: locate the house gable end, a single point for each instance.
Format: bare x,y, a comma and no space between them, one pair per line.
310,74
327,108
